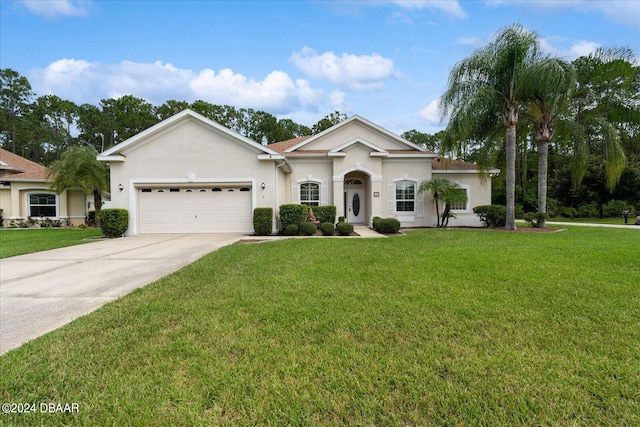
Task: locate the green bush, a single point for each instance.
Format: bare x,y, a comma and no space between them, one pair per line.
113,222
263,221
492,215
325,213
374,221
344,228
535,218
291,230
327,228
386,225
614,208
293,214
567,212
589,210
308,229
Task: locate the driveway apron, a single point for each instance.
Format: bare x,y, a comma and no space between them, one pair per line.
42,291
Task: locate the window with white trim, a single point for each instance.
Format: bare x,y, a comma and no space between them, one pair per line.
310,193
42,204
405,196
460,206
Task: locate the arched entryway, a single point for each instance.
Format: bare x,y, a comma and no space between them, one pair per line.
357,206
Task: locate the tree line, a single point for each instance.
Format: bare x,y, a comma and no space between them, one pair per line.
42,128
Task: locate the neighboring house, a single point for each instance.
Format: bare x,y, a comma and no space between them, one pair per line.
189,174
24,193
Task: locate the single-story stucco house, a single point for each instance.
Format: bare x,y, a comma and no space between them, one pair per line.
189,174
25,192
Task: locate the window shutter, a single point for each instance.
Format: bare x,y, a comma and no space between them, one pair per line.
420,204
324,193
391,197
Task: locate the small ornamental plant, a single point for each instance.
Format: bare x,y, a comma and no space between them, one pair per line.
291,230
327,228
344,228
308,229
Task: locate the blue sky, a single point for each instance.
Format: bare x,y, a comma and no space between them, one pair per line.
387,61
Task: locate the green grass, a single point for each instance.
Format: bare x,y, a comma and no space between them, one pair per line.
439,327
24,241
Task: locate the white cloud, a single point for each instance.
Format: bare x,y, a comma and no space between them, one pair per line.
364,72
450,7
52,9
276,92
431,112
558,47
81,81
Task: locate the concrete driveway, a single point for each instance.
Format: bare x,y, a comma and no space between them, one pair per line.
42,291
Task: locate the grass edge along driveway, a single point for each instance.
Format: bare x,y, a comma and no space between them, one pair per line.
463,327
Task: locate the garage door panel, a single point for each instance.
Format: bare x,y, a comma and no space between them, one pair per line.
195,211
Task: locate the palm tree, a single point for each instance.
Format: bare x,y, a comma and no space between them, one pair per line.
446,192
79,168
551,82
488,87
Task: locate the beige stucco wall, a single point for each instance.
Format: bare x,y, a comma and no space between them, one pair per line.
479,193
14,202
378,173
192,154
350,132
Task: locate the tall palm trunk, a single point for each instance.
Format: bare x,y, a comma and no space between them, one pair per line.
543,156
544,131
510,122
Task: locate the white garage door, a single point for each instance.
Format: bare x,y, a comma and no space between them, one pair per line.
223,209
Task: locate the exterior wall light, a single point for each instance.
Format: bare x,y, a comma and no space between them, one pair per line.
120,187
263,186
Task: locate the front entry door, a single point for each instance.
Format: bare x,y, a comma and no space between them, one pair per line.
354,206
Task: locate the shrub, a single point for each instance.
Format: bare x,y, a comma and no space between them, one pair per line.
325,213
535,218
374,221
589,210
567,212
614,208
344,228
113,222
327,228
308,229
386,225
263,221
340,219
293,214
291,230
492,215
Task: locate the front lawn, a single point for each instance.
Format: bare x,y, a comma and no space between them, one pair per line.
24,241
439,327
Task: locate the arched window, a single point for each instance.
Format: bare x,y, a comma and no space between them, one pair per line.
42,204
405,196
310,193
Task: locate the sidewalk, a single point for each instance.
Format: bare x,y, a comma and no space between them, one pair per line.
589,224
